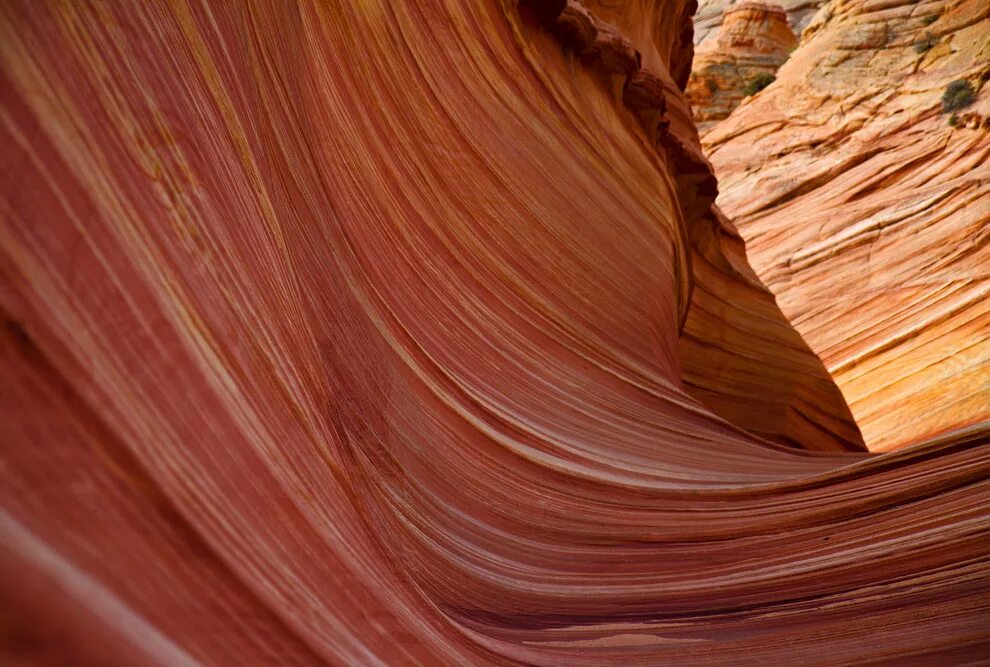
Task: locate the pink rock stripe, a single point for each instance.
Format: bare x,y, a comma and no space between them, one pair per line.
362,333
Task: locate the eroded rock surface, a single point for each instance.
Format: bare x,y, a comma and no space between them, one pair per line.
369,333
710,14
753,41
868,214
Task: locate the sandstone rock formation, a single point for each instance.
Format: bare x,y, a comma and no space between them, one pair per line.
868,214
754,40
366,333
710,13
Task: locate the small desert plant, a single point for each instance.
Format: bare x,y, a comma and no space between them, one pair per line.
712,86
953,120
957,95
758,83
930,19
925,43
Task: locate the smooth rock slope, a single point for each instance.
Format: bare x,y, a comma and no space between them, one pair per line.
407,333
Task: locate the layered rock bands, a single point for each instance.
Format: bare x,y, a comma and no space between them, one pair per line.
865,204
370,333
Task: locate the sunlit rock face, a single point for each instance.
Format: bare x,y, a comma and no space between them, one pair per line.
868,213
407,333
753,41
711,13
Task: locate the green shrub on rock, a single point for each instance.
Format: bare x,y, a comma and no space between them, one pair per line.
758,83
957,95
925,43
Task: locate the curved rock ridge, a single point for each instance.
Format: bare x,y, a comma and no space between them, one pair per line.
366,333
868,213
711,14
754,40
727,316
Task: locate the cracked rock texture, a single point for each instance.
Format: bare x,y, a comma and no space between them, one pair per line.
407,333
753,40
868,214
710,14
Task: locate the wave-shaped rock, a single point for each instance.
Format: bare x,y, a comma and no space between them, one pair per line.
407,333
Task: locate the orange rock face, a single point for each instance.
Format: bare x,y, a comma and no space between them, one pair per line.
408,333
868,214
711,13
754,40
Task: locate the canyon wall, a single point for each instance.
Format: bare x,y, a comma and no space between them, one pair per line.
408,333
753,41
866,208
708,18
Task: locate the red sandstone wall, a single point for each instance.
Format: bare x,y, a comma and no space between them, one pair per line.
349,333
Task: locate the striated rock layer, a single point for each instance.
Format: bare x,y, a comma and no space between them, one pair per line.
374,333
754,40
868,213
711,14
